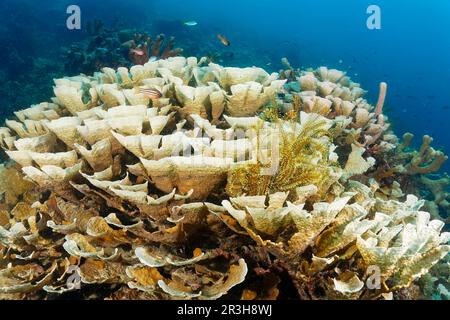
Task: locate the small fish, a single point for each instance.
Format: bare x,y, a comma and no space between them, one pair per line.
224,40
153,94
190,23
137,52
341,61
152,59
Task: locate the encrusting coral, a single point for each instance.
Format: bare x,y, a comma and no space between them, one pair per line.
227,185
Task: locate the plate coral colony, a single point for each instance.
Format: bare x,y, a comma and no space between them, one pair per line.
183,179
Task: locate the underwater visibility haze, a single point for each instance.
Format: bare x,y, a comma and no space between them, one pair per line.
203,150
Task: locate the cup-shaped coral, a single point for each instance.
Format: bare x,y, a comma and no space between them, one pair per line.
191,194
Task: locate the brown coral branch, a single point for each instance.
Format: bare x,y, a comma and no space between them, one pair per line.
427,160
139,56
156,47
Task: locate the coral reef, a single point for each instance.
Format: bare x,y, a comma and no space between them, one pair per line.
399,166
230,184
435,283
116,48
417,171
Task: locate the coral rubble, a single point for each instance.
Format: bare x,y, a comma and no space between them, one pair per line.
231,184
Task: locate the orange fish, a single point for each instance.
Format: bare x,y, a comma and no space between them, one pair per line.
137,52
153,94
224,40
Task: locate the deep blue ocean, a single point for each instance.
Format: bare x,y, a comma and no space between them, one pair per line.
411,51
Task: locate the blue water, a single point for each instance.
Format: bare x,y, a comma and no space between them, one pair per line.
411,52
